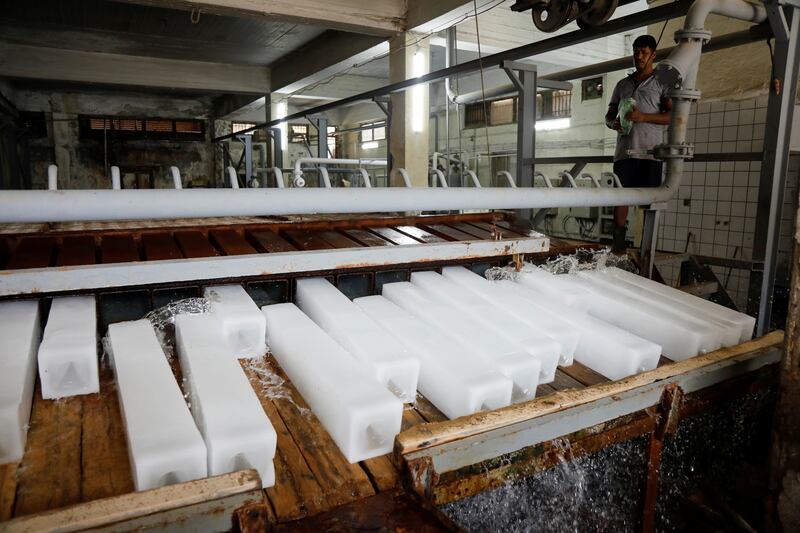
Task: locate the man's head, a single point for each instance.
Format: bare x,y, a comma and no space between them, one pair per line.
644,52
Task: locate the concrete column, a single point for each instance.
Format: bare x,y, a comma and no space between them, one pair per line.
278,108
409,133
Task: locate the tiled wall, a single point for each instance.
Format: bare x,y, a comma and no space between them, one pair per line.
714,212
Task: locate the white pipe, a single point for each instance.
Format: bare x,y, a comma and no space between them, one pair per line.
52,177
176,177
440,178
326,178
474,178
233,178
116,183
324,160
404,175
545,178
509,178
278,177
569,178
365,176
614,178
595,181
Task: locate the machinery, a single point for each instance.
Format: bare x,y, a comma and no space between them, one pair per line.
550,15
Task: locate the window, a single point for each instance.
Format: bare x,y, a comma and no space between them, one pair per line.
592,88
298,133
141,128
236,127
549,104
375,131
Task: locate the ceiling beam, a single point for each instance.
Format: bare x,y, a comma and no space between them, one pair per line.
37,63
371,17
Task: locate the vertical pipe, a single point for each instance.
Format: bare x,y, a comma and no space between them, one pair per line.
52,177
116,183
176,177
234,179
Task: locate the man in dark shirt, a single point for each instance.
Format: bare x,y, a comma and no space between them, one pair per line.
634,166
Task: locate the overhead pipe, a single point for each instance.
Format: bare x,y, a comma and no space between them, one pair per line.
679,71
176,177
116,182
52,178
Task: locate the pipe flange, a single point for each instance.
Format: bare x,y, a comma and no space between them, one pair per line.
674,151
695,33
692,95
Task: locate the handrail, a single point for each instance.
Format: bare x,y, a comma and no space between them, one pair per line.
509,178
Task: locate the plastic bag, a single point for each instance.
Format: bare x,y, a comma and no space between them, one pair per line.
626,106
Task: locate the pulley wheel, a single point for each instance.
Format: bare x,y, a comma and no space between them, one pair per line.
598,13
553,15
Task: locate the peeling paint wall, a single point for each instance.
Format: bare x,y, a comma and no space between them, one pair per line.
82,163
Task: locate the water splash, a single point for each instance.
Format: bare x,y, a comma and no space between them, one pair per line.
163,320
583,259
271,384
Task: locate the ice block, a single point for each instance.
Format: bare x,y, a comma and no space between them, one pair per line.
730,332
745,322
453,378
20,333
237,433
513,309
606,349
680,335
241,320
553,287
500,354
68,353
361,416
164,445
544,348
387,360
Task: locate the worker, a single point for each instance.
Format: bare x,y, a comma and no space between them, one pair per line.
646,108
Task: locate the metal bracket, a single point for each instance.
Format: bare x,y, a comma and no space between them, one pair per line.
694,33
674,151
777,20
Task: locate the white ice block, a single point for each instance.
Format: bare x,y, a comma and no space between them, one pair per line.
164,445
554,288
454,379
680,335
500,354
361,416
730,332
20,333
514,309
546,349
606,349
241,319
68,353
746,323
387,360
237,433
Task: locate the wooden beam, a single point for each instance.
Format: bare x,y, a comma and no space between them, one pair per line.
31,62
371,17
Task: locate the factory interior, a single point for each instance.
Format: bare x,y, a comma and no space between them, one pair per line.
399,265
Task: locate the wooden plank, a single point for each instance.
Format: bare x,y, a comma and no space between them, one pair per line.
394,236
505,224
267,241
411,418
419,234
194,244
584,374
296,492
306,240
448,232
8,490
474,230
230,242
106,468
365,238
382,472
663,360
118,249
32,252
564,382
340,481
544,390
435,434
428,411
498,230
77,250
338,240
50,473
160,246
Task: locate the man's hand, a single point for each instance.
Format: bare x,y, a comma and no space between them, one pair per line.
634,115
616,125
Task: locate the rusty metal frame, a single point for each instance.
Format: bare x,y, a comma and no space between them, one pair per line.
436,459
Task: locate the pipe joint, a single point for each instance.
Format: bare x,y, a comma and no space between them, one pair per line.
696,34
674,151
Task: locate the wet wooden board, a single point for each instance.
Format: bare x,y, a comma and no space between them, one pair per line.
8,490
194,244
428,411
479,233
32,252
419,234
76,250
365,238
495,229
159,246
338,240
544,390
563,382
118,249
307,240
394,236
583,374
230,242
269,242
448,232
